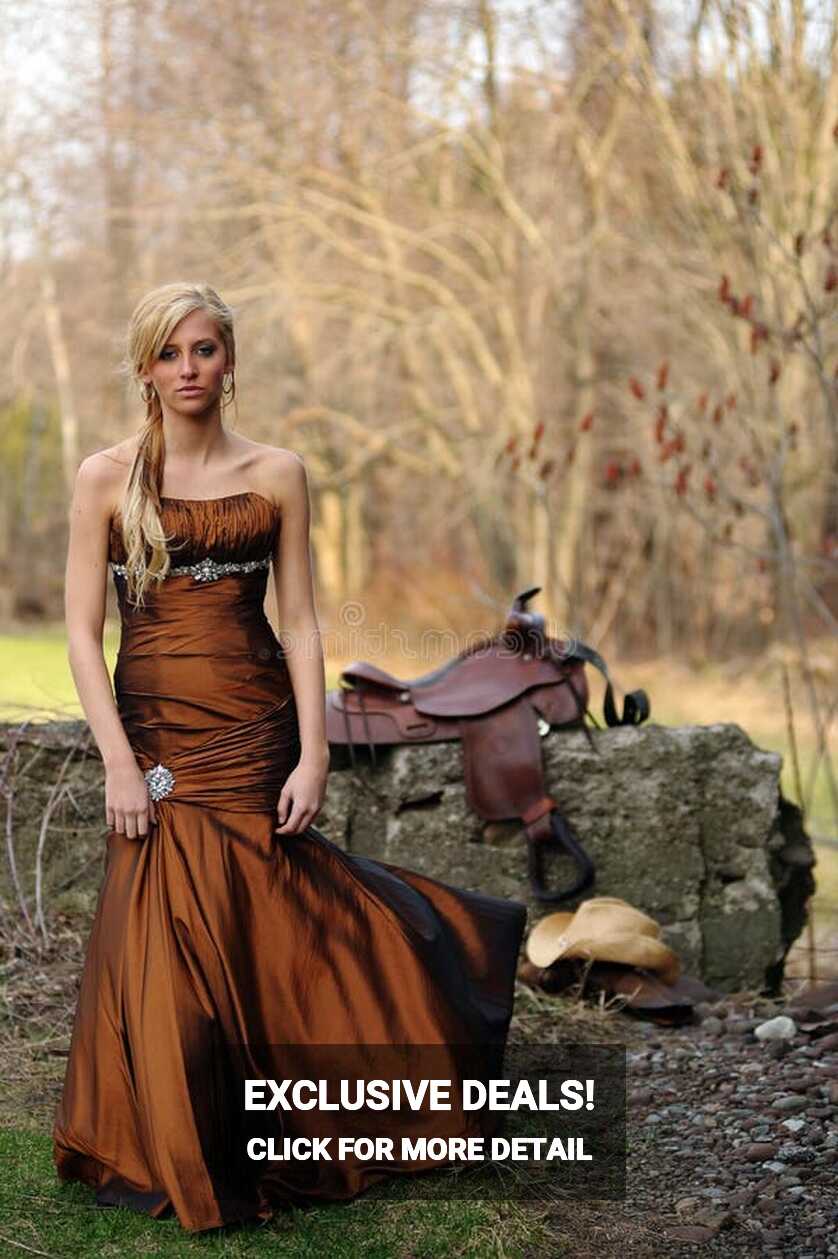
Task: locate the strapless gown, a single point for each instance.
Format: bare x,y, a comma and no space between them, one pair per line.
215,930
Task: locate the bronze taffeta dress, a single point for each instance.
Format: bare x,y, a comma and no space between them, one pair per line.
215,929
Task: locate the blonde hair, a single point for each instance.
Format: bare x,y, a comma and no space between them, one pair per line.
150,326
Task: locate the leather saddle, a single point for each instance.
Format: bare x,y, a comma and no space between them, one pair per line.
499,697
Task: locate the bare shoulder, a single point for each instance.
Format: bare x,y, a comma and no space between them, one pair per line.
102,475
283,474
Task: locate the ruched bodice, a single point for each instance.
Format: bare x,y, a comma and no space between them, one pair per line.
235,527
202,613
214,930
200,652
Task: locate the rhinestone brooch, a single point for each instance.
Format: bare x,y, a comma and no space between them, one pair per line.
160,781
206,569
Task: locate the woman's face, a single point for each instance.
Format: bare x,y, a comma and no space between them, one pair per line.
188,373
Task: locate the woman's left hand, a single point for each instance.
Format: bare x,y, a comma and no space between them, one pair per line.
302,797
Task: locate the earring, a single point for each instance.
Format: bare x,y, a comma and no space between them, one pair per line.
228,392
147,391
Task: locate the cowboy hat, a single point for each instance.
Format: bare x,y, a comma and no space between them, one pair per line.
604,929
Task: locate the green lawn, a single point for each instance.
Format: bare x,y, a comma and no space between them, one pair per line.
42,1217
36,678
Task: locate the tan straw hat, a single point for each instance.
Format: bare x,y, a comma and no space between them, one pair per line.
603,929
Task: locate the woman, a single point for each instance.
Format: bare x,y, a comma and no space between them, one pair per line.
232,939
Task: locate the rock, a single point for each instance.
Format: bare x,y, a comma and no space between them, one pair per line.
759,1151
797,1154
780,1028
715,1220
641,1097
695,1233
789,1103
698,850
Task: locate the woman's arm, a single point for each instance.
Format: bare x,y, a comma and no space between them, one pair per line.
299,629
128,805
301,642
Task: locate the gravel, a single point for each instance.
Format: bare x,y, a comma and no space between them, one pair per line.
733,1138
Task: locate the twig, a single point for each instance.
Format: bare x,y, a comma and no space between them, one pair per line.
22,1246
795,761
57,793
7,790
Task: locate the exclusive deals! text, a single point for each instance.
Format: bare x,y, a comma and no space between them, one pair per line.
430,1094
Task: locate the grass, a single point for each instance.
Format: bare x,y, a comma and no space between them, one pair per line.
40,1216
37,682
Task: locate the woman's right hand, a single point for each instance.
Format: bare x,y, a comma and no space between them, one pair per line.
129,808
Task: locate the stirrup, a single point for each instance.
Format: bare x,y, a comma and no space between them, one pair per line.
562,837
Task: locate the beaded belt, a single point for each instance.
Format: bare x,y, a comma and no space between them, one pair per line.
206,569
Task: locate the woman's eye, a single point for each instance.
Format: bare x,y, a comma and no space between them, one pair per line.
205,350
